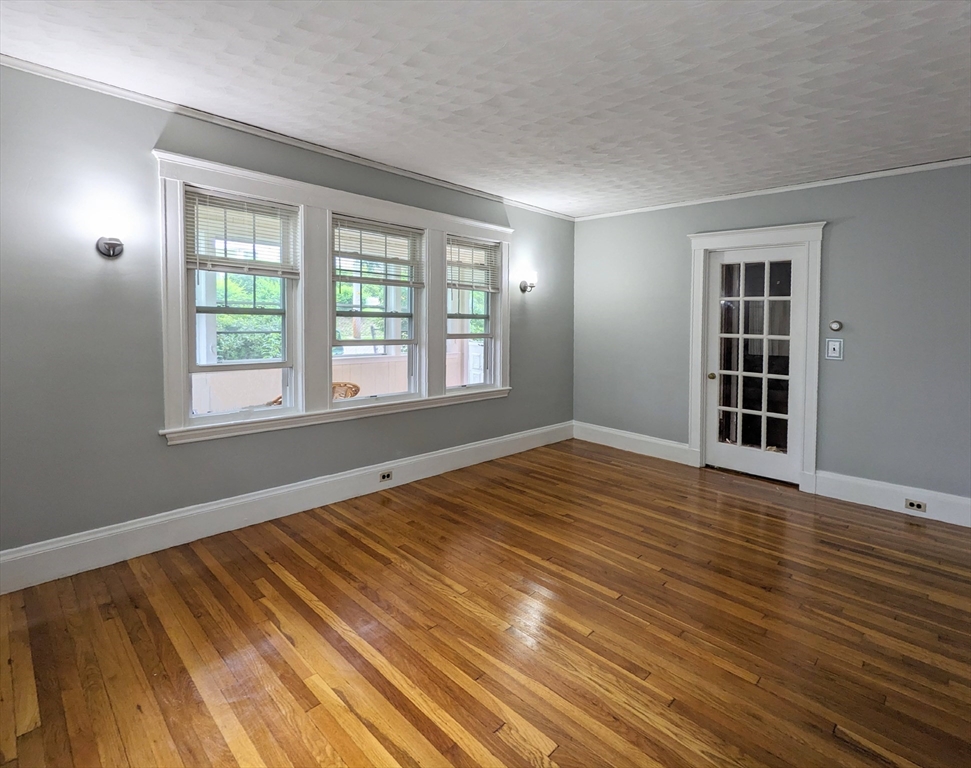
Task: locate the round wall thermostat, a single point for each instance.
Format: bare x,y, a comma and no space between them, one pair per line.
836,325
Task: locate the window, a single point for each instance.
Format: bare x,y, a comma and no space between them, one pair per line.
287,304
242,261
378,279
473,272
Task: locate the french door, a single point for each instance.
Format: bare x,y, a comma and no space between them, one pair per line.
754,396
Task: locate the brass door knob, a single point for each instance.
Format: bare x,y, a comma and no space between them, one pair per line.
711,376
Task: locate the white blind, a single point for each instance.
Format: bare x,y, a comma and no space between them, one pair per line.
237,234
371,252
473,265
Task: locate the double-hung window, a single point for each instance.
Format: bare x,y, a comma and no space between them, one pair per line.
287,304
473,279
242,265
378,281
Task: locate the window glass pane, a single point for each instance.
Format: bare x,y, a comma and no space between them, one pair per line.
727,427
780,278
466,362
729,355
730,279
378,328
373,369
752,361
238,338
777,395
776,435
752,393
364,297
754,317
778,357
755,279
229,391
728,394
469,325
729,317
778,318
751,430
227,289
466,302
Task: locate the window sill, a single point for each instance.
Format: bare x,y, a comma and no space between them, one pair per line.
202,432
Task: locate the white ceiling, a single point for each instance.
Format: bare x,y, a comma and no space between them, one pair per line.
577,107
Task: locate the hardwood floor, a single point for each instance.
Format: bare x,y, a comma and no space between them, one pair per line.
573,605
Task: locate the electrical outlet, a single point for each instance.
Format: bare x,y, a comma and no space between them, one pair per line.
385,476
915,506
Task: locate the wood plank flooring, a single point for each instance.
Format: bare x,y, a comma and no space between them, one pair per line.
569,606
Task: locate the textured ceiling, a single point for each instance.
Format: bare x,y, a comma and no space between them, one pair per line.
577,107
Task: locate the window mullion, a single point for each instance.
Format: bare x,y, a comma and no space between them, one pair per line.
318,305
436,293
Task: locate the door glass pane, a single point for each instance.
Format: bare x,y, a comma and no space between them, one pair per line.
727,427
729,355
751,430
730,279
752,359
728,396
755,279
777,396
776,435
729,317
778,318
780,278
778,357
752,393
754,317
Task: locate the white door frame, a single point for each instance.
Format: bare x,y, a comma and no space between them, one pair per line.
809,236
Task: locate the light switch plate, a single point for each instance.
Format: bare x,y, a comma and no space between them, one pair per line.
834,349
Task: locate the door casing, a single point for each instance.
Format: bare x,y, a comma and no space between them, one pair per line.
808,236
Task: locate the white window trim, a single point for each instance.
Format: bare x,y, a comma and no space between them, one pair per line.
312,373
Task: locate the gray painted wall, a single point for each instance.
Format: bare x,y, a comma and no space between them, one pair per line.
80,337
81,349
896,270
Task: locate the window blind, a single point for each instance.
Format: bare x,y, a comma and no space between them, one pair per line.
382,254
473,265
238,234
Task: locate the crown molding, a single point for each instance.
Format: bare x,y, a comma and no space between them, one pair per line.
198,114
140,98
790,188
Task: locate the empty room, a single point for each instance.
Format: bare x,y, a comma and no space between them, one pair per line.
539,384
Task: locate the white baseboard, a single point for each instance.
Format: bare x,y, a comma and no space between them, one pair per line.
46,560
36,563
940,506
873,493
642,444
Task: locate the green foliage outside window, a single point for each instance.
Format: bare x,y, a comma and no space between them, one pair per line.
242,337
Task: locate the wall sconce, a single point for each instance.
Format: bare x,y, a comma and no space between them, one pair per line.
110,247
528,282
